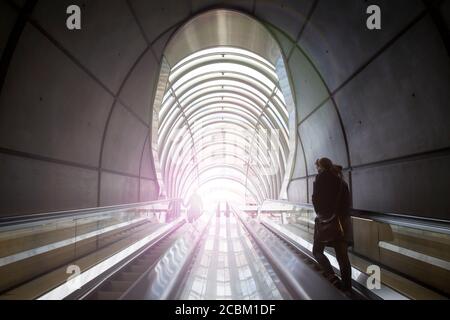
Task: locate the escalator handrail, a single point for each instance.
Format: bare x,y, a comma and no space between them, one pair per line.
97,283
178,277
421,223
30,218
358,284
172,287
295,288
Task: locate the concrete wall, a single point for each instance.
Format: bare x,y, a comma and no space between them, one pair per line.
75,109
75,106
375,102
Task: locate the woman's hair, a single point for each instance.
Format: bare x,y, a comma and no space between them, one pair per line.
327,165
337,170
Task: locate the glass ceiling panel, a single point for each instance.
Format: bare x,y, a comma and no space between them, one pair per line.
237,87
225,50
230,79
221,98
220,105
216,112
221,68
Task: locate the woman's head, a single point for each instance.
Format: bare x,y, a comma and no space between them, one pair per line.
324,164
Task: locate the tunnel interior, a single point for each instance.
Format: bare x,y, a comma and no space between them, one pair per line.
227,114
76,115
115,113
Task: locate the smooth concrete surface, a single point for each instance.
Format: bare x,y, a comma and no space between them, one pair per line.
118,189
412,108
7,20
49,106
300,166
31,185
310,90
322,137
338,42
157,17
148,189
147,160
241,5
291,15
387,117
112,41
395,186
138,90
119,154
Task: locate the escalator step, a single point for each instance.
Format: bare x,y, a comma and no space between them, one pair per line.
119,286
129,276
144,262
138,268
108,295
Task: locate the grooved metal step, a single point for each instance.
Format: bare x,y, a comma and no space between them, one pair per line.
108,295
114,287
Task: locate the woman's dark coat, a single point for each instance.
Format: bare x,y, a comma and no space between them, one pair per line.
327,188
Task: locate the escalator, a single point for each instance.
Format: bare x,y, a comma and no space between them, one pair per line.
117,284
224,260
214,258
49,256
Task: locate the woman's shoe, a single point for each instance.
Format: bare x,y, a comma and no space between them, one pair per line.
334,280
349,293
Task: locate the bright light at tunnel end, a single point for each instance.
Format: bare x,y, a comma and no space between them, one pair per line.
220,191
223,130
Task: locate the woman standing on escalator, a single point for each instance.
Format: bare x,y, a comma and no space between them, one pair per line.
331,199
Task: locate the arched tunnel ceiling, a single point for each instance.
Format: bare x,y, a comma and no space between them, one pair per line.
222,28
220,108
75,106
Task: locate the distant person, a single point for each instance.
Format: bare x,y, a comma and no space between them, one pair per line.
218,210
195,208
170,212
331,199
173,211
227,210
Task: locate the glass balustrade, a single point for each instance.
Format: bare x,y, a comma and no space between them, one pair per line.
38,252
414,255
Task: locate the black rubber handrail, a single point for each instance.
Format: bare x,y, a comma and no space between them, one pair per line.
414,222
363,291
297,291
